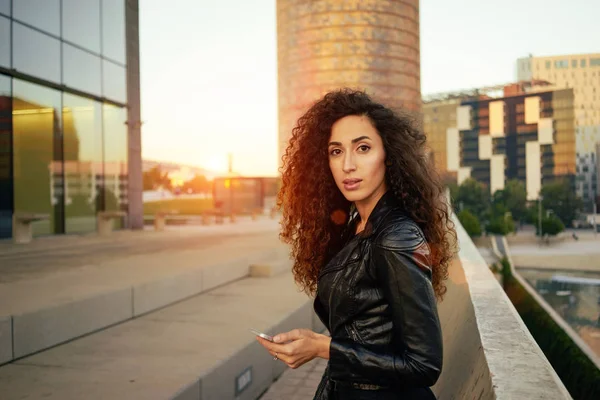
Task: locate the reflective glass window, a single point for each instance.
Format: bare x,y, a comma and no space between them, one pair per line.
82,143
5,150
43,14
5,7
115,158
81,70
4,42
113,30
35,53
114,83
81,23
37,154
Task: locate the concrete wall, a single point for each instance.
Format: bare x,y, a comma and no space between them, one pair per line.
488,351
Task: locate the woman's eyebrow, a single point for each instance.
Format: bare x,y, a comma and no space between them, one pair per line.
358,139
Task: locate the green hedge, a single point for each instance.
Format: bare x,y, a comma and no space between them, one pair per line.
184,206
579,374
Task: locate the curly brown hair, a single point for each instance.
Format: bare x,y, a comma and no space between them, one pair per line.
315,212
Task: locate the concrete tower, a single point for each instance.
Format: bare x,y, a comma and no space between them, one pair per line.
323,45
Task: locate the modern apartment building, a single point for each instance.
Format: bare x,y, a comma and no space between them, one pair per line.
581,72
526,132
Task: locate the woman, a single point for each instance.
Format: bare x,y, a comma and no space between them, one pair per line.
364,213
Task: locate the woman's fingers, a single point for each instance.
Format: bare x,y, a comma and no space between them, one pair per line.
292,335
286,349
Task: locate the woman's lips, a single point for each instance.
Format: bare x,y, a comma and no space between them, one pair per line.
352,184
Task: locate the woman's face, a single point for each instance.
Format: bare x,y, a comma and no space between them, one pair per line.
357,158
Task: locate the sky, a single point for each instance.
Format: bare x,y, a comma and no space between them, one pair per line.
209,68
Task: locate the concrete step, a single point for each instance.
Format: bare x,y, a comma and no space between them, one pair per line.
37,314
199,348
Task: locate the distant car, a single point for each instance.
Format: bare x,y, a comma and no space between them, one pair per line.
581,224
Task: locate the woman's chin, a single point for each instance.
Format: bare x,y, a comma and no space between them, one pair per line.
353,195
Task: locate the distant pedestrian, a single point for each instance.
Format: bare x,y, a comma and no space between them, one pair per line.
364,211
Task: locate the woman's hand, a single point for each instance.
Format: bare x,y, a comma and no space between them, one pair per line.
297,347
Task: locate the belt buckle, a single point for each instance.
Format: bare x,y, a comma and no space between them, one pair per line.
366,386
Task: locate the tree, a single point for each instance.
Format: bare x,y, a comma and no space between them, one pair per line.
453,188
513,198
155,178
474,197
559,197
470,223
198,184
501,225
552,225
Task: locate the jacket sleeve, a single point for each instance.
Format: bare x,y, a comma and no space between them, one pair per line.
401,261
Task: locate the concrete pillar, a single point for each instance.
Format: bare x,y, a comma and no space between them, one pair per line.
135,181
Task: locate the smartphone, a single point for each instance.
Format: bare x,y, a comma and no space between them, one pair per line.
262,335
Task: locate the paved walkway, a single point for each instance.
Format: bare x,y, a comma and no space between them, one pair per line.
582,255
46,256
54,270
30,275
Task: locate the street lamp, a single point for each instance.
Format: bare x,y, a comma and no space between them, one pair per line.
594,210
507,215
540,198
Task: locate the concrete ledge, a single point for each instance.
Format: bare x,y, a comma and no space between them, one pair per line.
43,328
38,330
268,270
6,340
220,383
190,392
465,372
222,274
184,351
493,355
153,295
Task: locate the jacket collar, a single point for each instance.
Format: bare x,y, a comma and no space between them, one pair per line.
384,205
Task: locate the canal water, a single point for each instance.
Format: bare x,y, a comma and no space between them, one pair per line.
574,295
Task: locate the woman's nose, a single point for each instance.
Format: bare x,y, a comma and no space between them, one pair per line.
349,164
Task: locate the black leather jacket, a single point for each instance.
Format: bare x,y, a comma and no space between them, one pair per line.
375,297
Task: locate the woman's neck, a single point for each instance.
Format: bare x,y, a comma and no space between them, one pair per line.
365,207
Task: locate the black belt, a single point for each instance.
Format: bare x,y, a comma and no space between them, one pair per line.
361,386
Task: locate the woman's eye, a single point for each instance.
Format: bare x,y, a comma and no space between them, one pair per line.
335,152
363,148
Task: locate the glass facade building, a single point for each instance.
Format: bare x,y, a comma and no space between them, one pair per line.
580,72
64,111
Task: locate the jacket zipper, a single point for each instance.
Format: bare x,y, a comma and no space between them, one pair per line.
354,335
